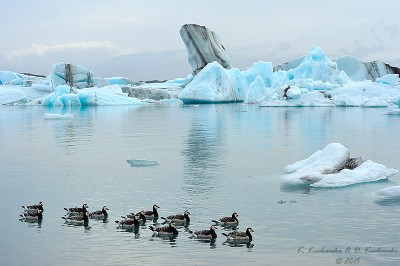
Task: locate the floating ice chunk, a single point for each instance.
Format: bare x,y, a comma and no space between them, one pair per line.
390,192
142,163
49,116
331,168
368,171
311,170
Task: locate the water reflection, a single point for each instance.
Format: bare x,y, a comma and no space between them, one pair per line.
71,133
134,230
211,242
389,201
170,240
85,226
234,243
300,189
36,224
203,151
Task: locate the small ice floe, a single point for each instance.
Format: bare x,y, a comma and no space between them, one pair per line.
390,192
50,116
142,163
388,196
333,167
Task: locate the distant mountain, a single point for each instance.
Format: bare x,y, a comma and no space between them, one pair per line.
145,66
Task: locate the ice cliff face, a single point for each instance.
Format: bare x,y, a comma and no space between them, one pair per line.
76,76
203,47
352,66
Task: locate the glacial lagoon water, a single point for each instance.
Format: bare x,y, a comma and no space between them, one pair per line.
209,159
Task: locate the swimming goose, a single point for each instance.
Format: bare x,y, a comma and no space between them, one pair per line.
128,223
77,220
34,208
100,214
241,236
233,220
205,234
169,230
32,217
178,218
77,211
151,214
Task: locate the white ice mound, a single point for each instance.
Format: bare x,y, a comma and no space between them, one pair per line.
214,84
318,67
333,167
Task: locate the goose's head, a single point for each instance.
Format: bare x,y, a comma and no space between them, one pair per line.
249,229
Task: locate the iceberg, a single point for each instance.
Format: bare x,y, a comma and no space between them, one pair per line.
317,66
108,95
333,167
214,84
316,81
203,47
311,80
75,76
354,68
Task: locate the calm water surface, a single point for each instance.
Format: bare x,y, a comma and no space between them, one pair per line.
213,160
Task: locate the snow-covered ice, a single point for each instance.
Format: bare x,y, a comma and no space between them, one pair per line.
327,168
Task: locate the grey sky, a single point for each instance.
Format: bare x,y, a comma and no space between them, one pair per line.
140,39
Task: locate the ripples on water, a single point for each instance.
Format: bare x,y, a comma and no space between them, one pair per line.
213,160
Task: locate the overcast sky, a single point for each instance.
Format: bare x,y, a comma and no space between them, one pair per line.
140,39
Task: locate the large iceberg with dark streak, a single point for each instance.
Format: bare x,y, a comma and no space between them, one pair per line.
203,47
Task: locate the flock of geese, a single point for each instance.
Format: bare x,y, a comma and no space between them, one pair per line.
80,216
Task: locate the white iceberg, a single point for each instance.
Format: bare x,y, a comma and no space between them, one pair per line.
213,84
333,167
